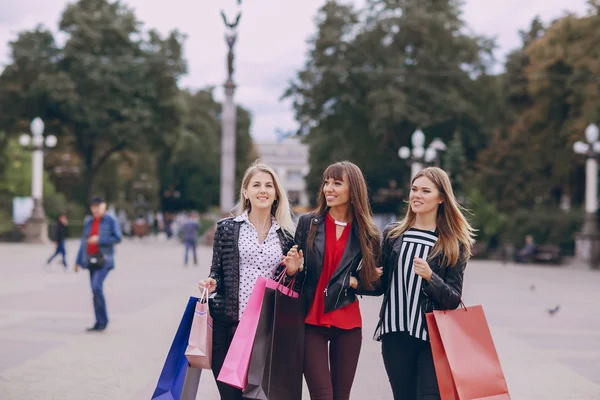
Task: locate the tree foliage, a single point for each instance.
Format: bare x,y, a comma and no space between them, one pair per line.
551,89
191,163
111,95
373,76
112,87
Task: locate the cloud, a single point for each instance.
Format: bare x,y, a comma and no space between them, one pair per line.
13,13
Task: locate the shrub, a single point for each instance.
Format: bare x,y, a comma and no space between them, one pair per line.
546,225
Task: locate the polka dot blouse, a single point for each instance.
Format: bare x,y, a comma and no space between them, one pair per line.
256,259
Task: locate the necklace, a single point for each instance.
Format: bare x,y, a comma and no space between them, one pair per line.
264,232
338,223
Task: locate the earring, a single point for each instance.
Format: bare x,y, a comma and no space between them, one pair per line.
275,203
247,202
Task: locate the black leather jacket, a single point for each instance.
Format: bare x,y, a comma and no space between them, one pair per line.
444,290
225,269
338,293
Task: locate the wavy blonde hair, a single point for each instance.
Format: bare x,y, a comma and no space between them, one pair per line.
453,227
281,210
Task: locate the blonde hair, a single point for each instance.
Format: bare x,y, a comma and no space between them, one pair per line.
363,217
281,210
453,227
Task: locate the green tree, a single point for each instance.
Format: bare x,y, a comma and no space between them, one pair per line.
110,88
551,89
15,181
367,86
455,162
191,162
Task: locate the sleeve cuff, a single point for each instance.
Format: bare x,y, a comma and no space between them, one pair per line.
428,286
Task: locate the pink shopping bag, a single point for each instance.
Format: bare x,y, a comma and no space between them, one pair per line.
237,361
199,349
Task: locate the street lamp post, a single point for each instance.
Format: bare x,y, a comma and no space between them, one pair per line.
419,156
587,243
228,119
36,228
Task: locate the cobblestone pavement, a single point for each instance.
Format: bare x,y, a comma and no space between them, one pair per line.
45,353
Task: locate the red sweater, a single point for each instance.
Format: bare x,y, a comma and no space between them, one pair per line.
93,248
347,317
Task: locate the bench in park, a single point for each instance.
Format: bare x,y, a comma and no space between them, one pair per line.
547,253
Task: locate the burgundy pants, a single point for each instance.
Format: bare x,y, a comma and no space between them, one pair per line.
338,348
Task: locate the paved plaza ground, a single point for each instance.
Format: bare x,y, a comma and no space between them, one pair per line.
45,353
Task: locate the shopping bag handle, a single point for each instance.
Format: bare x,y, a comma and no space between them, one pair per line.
281,277
204,296
461,304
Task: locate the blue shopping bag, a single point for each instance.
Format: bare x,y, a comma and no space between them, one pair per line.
172,376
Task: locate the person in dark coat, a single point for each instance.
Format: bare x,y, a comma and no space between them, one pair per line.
61,234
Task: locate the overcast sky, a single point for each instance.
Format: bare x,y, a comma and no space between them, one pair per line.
272,40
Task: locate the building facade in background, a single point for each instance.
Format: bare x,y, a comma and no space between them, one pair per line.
289,159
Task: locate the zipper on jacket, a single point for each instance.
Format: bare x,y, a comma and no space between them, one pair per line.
343,283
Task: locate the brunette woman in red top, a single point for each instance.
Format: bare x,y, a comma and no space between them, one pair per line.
336,253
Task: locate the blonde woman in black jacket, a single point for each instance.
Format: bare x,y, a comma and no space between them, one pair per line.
247,245
424,258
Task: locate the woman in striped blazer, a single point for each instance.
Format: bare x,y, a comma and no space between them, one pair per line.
424,259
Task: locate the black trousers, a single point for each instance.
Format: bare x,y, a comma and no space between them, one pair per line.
409,365
222,337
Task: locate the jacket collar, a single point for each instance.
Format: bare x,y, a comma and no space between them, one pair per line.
319,242
350,251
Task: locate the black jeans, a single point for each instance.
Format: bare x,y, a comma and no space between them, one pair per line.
409,365
222,337
330,361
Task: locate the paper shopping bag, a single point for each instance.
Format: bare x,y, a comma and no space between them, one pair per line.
465,358
172,376
235,367
199,349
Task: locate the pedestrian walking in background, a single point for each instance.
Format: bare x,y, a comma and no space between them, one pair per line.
190,231
97,254
61,234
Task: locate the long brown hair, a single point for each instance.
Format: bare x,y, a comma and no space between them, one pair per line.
362,217
453,227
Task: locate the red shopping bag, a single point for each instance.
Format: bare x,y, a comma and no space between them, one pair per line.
465,358
237,361
199,349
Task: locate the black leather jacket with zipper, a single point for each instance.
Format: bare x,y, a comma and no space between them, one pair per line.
225,269
442,292
338,292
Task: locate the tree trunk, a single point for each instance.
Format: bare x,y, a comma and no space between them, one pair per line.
89,177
